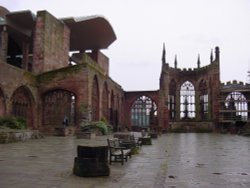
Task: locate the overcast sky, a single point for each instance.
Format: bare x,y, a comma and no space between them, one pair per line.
188,28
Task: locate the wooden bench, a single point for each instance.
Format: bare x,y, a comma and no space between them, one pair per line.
129,138
116,152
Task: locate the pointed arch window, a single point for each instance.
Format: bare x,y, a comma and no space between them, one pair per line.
203,100
95,100
105,99
236,102
59,106
172,100
187,100
143,112
2,103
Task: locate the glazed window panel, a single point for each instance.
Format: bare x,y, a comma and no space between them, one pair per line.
187,101
143,112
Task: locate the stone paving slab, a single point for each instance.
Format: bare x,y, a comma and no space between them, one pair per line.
172,161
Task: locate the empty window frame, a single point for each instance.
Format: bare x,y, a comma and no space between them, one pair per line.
143,111
187,100
236,102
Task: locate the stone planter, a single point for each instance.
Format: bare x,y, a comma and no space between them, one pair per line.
91,161
18,135
85,135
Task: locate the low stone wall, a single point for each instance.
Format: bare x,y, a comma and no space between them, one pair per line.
65,131
192,127
18,135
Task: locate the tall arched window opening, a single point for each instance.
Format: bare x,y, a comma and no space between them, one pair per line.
236,103
2,104
105,99
95,100
59,108
172,100
143,112
187,100
203,100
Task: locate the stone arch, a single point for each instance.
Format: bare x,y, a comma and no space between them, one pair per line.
237,105
112,108
187,100
143,112
22,105
2,103
105,101
59,108
95,107
203,86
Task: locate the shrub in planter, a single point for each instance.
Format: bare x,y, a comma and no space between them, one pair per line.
99,126
13,122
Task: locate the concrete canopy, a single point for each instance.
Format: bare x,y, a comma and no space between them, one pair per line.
92,32
19,26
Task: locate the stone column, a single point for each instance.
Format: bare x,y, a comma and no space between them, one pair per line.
3,44
25,61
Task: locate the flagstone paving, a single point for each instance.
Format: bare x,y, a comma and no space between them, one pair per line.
173,161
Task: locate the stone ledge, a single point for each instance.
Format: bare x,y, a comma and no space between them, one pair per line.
8,136
64,131
85,135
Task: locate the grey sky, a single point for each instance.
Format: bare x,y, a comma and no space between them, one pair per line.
188,28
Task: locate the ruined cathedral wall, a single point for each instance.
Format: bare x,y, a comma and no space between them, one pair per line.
13,78
115,91
51,43
209,74
73,79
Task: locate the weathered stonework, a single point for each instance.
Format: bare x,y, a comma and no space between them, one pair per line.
52,70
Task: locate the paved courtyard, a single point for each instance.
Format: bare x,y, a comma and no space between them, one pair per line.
173,161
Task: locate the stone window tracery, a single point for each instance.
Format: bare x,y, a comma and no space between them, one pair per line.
172,100
143,112
187,100
59,105
203,100
20,103
236,102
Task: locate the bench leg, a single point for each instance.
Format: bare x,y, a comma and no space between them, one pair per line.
110,159
122,160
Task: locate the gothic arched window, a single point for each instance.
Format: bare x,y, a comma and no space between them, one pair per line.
105,101
172,100
187,100
59,106
95,100
203,100
237,103
143,112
